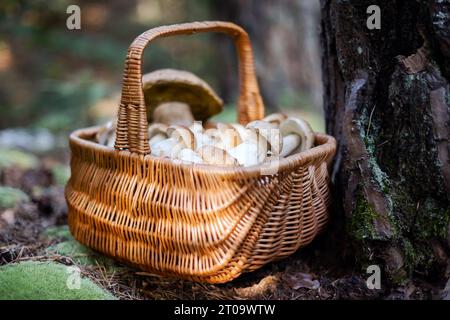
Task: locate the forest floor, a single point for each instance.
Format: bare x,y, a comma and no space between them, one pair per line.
33,229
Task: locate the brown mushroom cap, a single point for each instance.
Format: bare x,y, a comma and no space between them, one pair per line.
170,85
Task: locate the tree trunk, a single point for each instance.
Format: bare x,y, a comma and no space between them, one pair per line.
387,101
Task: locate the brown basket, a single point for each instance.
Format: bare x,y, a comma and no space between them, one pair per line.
201,222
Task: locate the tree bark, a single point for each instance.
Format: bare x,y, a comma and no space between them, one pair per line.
387,101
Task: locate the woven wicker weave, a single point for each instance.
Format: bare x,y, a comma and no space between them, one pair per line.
201,222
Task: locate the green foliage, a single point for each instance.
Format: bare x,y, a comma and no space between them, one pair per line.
10,197
75,96
45,281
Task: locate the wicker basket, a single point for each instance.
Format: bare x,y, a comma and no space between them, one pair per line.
201,222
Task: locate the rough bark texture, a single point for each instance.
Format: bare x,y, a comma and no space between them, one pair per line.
387,101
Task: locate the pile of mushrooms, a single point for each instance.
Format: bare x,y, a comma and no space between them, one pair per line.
173,132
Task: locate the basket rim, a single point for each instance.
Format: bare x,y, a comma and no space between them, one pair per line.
323,151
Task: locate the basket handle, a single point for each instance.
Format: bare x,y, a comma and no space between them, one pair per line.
132,124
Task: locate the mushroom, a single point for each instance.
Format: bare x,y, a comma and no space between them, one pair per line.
166,148
183,136
197,129
290,143
210,137
157,132
106,134
229,136
245,153
299,127
218,156
188,155
173,113
179,138
275,118
242,131
169,85
267,132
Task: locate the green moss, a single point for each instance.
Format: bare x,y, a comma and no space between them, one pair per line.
58,232
410,252
362,220
10,197
378,177
46,281
81,254
432,220
9,157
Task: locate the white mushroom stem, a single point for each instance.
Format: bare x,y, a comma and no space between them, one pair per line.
229,136
261,143
300,127
183,135
157,138
106,135
214,155
189,155
290,143
166,148
246,153
270,133
211,137
173,113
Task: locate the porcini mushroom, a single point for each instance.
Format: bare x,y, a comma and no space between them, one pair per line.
188,155
271,135
106,135
229,136
183,136
173,113
299,127
245,153
275,118
290,143
157,132
170,85
218,156
179,138
166,148
210,137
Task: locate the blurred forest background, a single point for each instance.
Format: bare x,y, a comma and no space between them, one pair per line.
55,80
